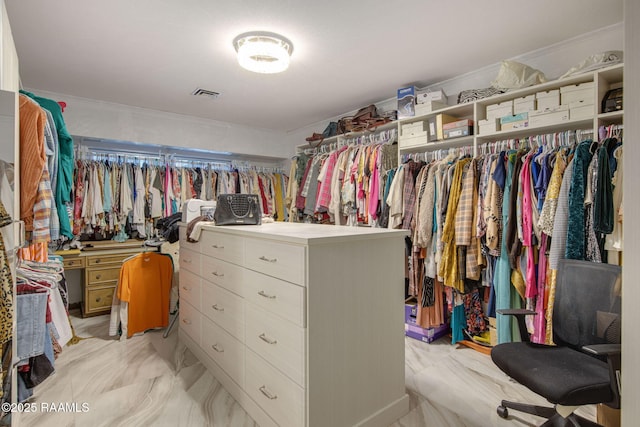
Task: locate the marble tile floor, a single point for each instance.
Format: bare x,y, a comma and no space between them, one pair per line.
151,381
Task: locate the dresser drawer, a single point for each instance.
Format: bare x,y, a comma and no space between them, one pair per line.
190,320
224,274
189,260
222,246
284,261
277,296
99,299
72,263
193,246
190,288
224,308
278,341
224,349
96,276
280,397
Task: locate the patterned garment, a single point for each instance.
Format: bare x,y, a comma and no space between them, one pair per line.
6,284
473,312
545,222
42,210
464,213
409,192
576,230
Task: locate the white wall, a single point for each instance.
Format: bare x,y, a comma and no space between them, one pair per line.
631,269
105,120
552,60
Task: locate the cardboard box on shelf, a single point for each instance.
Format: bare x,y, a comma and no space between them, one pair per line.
431,96
412,141
516,121
406,102
412,129
549,116
547,99
579,92
581,110
488,126
524,104
429,107
441,120
495,111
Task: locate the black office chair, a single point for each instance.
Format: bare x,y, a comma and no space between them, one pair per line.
584,366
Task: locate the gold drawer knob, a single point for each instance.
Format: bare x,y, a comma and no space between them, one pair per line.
98,299
98,276
98,261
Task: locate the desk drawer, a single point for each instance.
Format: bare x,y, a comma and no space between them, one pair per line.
277,296
107,259
280,397
224,308
224,349
189,260
190,288
190,320
72,263
99,299
286,262
278,341
224,274
222,246
95,276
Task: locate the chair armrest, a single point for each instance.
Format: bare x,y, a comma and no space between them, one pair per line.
603,349
519,313
613,353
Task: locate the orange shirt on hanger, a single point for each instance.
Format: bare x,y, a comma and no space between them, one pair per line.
145,283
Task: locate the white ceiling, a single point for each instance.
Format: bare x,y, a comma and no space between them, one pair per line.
153,54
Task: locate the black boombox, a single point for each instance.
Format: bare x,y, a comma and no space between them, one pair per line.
612,101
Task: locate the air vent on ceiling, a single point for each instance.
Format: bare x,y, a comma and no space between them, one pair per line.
205,92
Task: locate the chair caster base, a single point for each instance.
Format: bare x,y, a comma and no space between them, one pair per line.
502,412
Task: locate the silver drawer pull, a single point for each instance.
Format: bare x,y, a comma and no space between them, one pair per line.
187,261
215,273
218,348
264,258
186,321
186,289
217,247
263,294
264,338
266,392
216,308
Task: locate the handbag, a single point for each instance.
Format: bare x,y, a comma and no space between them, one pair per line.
238,209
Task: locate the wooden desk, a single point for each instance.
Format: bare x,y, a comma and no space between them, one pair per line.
101,272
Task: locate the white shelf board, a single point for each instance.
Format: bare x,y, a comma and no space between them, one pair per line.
439,145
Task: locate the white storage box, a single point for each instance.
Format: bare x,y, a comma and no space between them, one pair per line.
488,126
495,111
193,208
549,116
524,104
412,129
574,93
547,100
436,95
412,141
581,110
428,107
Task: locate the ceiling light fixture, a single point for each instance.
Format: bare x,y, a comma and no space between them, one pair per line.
263,52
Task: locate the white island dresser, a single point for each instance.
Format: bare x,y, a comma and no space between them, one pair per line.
301,323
